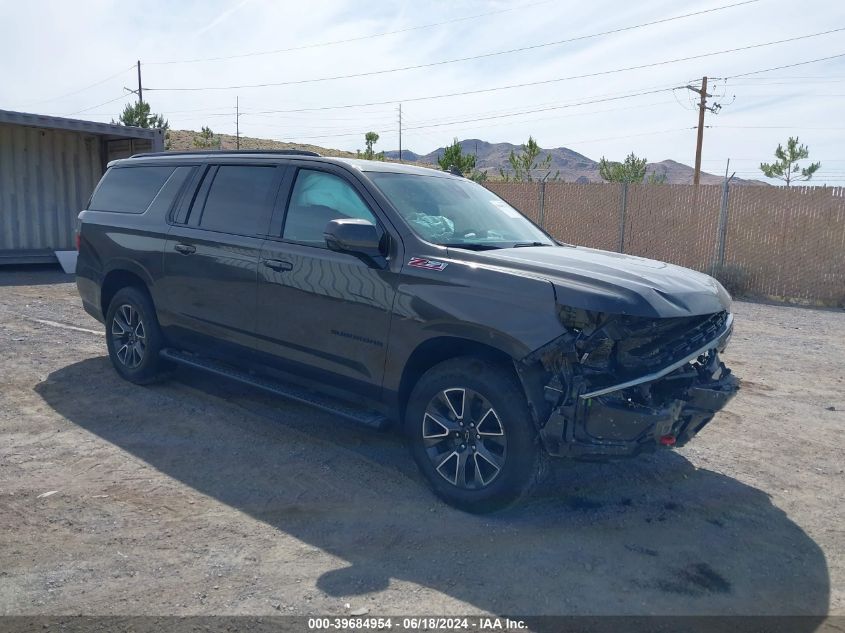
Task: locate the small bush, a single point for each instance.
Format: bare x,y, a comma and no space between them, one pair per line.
732,277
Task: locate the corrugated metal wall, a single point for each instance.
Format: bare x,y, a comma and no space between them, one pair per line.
124,148
46,177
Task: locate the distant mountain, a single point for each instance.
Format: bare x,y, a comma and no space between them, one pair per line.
407,155
573,167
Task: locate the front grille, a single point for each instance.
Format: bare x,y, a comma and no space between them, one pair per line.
647,344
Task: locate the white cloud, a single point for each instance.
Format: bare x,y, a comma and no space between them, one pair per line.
222,17
60,47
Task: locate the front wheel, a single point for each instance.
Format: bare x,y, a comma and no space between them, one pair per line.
469,430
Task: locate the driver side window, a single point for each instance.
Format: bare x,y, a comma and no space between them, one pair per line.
317,198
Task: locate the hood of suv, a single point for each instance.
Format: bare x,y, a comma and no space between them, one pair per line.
611,282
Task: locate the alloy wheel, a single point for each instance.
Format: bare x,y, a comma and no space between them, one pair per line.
464,438
129,336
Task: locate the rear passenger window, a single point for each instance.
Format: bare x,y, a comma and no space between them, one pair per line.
165,197
129,189
239,200
318,198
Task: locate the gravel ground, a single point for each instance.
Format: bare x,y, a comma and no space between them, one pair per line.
196,496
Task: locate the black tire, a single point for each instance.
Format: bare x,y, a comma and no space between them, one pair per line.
131,324
477,486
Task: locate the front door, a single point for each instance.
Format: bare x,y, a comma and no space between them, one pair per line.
326,313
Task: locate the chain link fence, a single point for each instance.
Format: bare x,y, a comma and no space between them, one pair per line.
775,242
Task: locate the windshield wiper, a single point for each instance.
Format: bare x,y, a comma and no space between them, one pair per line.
526,244
472,246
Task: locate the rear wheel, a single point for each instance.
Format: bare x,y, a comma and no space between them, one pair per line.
470,432
133,336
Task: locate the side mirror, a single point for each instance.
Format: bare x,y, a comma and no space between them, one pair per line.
354,236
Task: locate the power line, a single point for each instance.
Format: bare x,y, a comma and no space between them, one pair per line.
537,110
123,96
373,125
757,160
351,39
753,82
451,121
773,127
297,115
447,95
595,140
560,79
809,77
447,123
540,119
275,114
413,130
765,70
791,94
76,92
297,82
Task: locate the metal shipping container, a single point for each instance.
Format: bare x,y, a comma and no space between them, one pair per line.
48,168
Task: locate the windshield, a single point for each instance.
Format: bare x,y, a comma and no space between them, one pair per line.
458,213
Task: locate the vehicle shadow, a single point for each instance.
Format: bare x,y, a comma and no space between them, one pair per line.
34,275
654,535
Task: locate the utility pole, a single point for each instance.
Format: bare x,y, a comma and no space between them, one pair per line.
237,124
140,89
400,132
702,106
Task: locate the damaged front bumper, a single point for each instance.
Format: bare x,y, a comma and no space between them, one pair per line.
667,406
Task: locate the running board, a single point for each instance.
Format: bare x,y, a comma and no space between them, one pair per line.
291,392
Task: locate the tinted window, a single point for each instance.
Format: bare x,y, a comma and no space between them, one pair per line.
239,200
165,197
129,189
317,199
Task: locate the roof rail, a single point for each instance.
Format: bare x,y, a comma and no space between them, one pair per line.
215,152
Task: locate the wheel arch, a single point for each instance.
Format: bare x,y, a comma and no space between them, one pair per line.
116,279
437,350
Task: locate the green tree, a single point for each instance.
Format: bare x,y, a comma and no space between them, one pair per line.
631,170
453,156
525,165
786,166
206,138
370,139
138,115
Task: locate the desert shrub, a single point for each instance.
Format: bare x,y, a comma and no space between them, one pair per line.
732,277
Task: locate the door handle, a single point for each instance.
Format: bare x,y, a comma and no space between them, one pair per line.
278,265
185,249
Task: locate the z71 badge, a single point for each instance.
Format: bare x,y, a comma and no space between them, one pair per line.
427,264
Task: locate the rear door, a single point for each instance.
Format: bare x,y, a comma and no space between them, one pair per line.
211,256
326,314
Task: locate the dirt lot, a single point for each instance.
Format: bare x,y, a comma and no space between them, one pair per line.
196,496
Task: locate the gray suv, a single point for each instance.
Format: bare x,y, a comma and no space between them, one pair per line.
403,296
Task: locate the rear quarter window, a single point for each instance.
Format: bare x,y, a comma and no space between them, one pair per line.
129,189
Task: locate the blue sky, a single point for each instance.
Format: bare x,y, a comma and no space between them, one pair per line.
58,49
